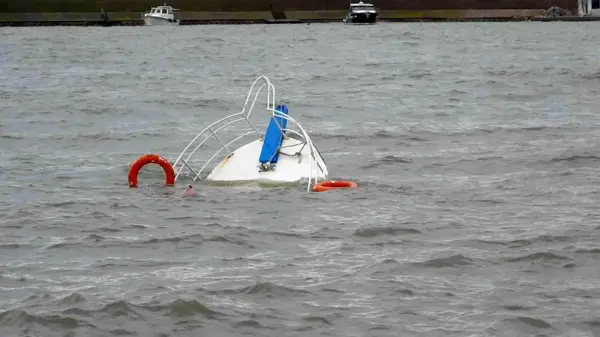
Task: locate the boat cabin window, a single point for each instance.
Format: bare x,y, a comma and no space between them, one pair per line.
362,8
153,10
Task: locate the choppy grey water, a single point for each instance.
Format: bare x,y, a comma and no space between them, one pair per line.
475,147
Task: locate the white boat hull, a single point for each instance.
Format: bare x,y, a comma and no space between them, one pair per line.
358,23
154,21
242,165
362,19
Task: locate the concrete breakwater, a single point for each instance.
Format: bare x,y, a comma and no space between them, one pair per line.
128,12
57,6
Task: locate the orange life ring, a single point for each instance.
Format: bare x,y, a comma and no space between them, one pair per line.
148,159
332,185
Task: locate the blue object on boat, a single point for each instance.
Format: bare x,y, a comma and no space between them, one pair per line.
273,136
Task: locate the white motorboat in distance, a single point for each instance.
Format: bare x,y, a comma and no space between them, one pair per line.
361,13
162,16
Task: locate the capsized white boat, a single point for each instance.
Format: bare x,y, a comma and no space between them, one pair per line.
283,153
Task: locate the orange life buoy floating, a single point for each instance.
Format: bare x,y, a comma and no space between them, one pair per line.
148,159
332,185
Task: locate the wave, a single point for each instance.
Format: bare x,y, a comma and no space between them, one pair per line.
131,263
543,239
21,318
457,260
591,75
538,239
384,231
266,289
11,136
387,160
575,158
13,246
523,324
375,134
77,317
539,256
588,251
425,134
192,239
515,71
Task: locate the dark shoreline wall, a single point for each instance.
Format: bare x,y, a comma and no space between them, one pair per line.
50,6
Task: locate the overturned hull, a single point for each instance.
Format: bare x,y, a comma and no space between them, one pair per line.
292,166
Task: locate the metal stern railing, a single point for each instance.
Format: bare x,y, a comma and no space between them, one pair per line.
215,131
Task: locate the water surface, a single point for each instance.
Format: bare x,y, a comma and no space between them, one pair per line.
475,147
